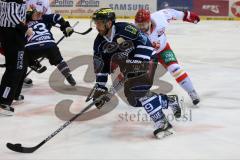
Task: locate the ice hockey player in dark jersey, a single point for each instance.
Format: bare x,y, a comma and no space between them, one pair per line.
122,44
42,43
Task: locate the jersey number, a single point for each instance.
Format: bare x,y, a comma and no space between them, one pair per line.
40,28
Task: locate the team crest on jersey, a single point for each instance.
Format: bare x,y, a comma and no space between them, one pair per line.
110,47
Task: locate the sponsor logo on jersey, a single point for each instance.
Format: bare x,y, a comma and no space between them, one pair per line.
131,29
133,61
235,9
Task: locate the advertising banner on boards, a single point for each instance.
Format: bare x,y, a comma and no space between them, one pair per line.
175,4
85,8
211,7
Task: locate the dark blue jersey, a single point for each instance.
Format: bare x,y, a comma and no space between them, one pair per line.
42,36
127,40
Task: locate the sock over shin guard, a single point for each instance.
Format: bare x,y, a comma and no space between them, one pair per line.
64,69
181,77
153,106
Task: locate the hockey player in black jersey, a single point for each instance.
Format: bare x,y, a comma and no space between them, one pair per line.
42,43
122,44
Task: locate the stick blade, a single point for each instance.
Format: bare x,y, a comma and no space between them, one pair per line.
87,31
18,148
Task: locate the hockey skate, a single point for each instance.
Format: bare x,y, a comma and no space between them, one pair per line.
6,110
37,67
71,80
163,131
194,96
19,98
174,104
27,83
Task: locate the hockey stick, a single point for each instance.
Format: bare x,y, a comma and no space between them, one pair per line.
56,44
86,32
117,85
90,95
82,33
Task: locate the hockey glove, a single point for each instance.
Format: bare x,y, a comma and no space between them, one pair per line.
191,17
66,29
100,91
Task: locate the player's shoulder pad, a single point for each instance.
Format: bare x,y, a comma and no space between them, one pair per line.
127,30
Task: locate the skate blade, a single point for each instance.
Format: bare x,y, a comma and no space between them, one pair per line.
27,85
17,102
6,113
164,134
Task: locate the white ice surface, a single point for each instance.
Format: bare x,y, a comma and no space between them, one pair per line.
209,51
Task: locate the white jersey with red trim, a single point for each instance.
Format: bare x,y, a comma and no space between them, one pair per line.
160,21
40,3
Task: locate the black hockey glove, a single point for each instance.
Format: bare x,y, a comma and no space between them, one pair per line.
66,29
100,91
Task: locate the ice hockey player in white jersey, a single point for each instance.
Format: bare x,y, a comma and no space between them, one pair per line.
154,26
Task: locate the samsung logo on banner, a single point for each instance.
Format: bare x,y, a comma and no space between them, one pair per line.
86,3
62,3
128,6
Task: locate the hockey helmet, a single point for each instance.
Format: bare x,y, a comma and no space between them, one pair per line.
105,14
142,16
143,20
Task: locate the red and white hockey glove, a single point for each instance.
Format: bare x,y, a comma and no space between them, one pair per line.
191,17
